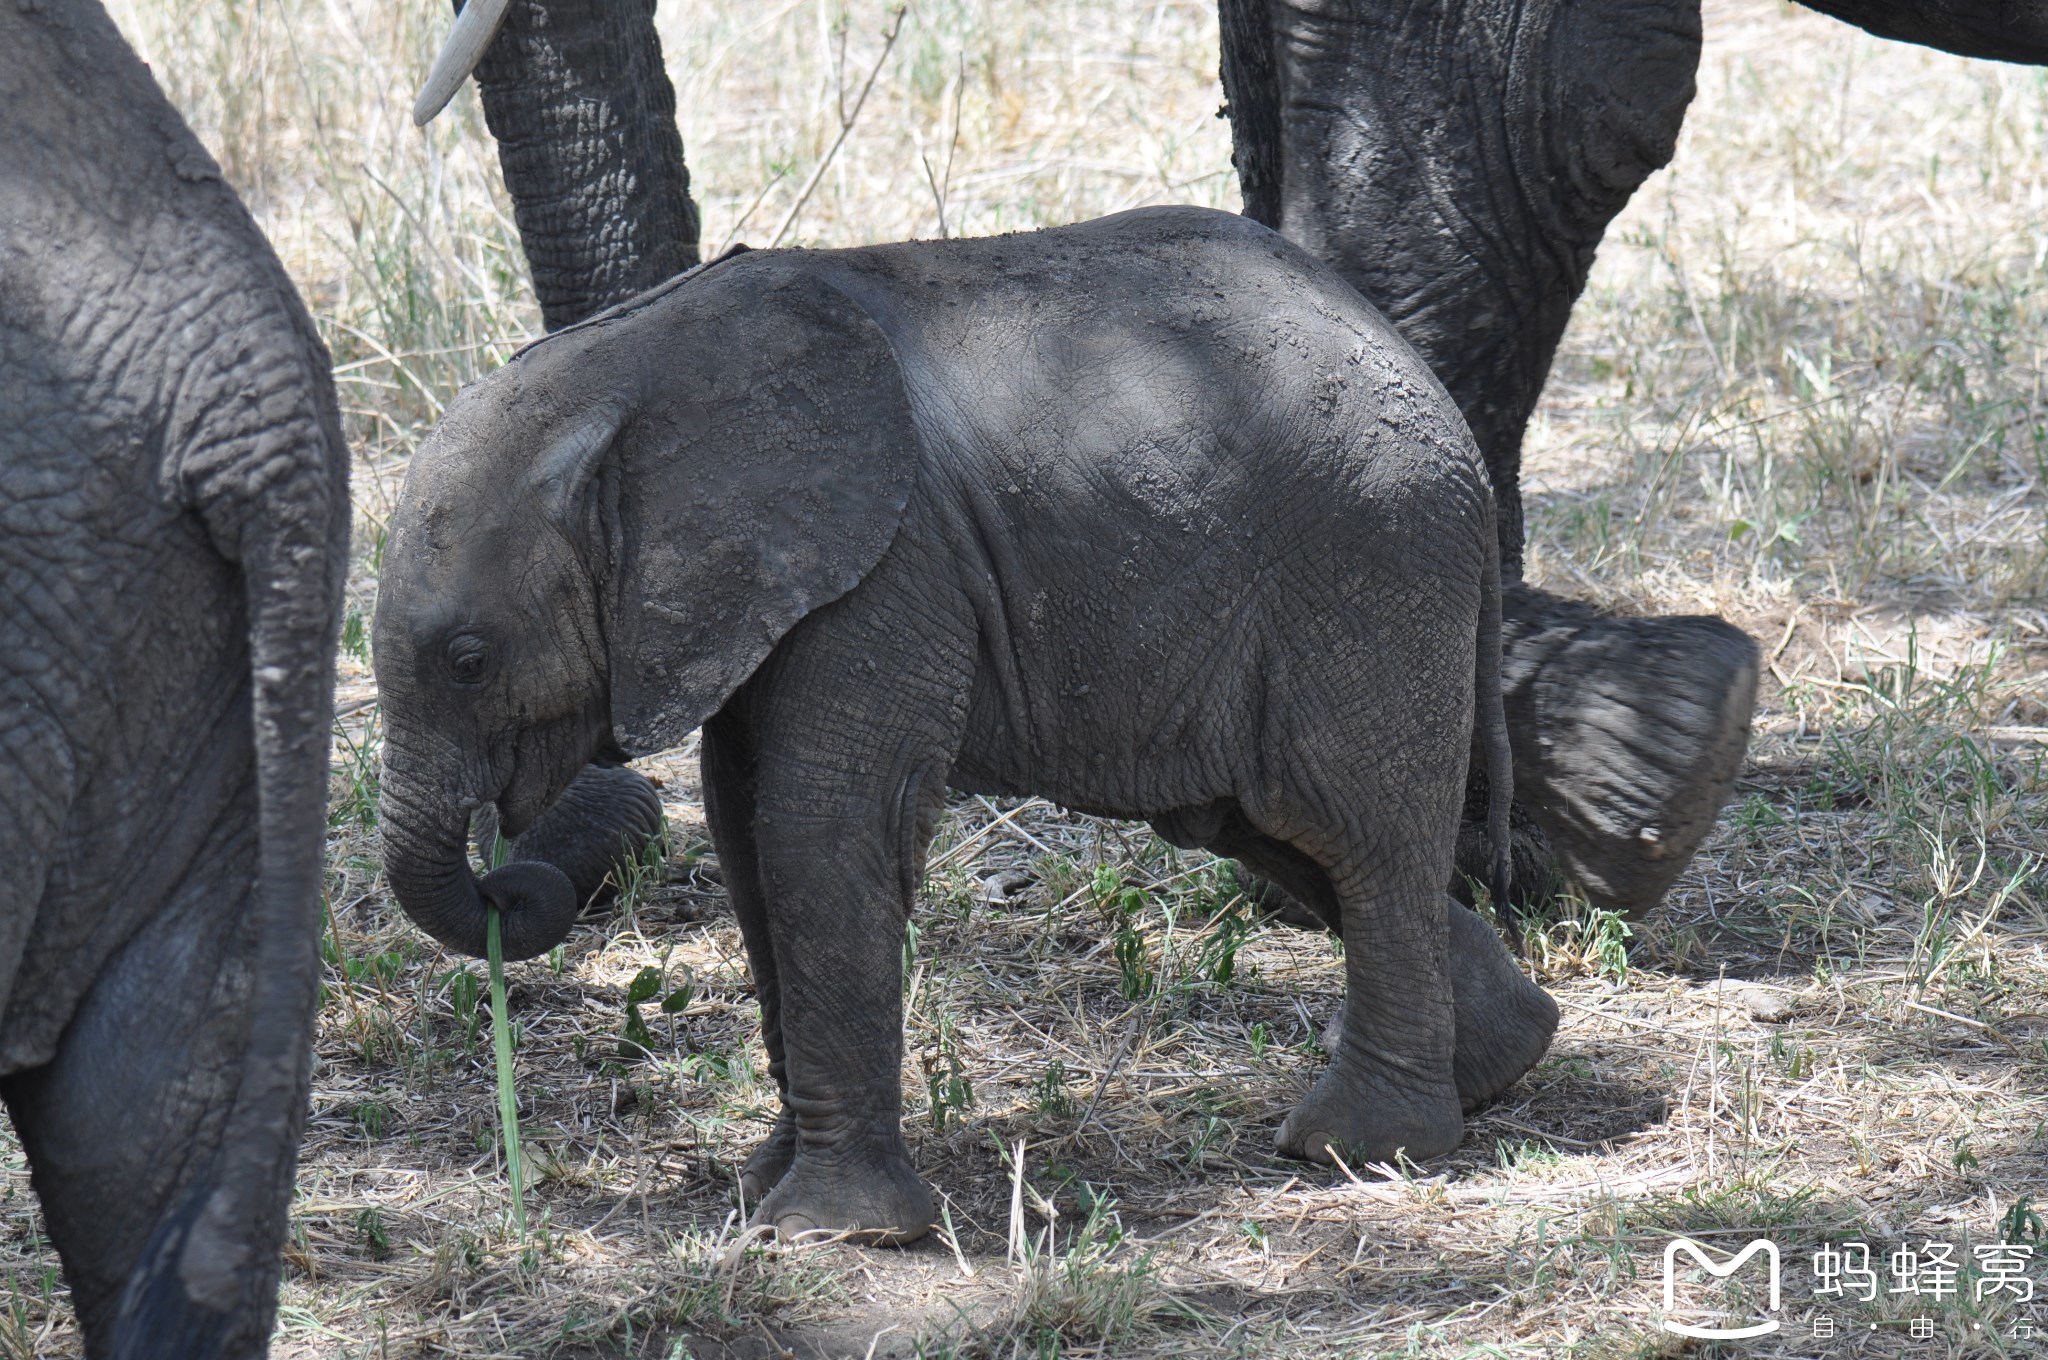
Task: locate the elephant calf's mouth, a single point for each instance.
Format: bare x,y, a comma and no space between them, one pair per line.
544,765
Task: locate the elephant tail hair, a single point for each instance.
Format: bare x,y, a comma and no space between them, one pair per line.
157,1319
1491,716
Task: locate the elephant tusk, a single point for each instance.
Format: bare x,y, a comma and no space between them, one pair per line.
475,26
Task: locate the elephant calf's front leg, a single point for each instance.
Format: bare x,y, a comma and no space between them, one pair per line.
836,924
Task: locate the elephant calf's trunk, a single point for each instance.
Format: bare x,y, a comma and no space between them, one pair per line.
426,859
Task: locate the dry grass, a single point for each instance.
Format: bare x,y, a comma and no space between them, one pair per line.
1804,390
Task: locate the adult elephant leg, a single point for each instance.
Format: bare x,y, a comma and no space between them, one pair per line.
585,117
730,792
1458,161
123,1126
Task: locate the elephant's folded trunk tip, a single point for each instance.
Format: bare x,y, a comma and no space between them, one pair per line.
539,903
475,26
426,861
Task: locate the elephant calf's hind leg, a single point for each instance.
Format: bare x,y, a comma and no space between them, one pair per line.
729,794
1389,1086
1505,1021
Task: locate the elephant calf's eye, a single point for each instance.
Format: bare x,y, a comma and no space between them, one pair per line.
468,659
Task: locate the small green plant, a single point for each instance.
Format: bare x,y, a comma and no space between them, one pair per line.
635,1040
1607,937
717,1065
1134,972
370,1228
463,994
642,874
359,766
1798,1061
371,1116
1089,1296
1135,976
1212,1128
945,1077
1228,929
1592,940
911,938
1049,1093
355,636
2022,1222
1059,877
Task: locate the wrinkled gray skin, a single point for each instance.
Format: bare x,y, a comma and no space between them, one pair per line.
1458,162
1152,516
173,522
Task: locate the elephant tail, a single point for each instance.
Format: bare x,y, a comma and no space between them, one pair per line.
1491,717
205,1284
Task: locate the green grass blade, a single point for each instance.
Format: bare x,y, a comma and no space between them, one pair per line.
508,1100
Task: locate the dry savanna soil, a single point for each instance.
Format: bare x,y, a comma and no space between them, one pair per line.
1804,390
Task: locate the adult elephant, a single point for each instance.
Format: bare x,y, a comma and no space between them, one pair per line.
1457,161
173,544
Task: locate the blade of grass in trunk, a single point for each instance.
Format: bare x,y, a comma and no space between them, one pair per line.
508,1099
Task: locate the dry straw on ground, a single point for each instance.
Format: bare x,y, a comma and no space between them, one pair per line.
1805,390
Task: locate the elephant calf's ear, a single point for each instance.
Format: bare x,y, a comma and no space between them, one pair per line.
562,475
768,482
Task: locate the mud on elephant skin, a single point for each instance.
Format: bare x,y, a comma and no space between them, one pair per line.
1152,516
173,491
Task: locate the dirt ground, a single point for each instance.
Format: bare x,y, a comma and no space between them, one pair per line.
1805,390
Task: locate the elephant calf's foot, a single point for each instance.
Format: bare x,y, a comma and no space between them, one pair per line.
1628,734
877,1199
1505,1021
1364,1119
767,1164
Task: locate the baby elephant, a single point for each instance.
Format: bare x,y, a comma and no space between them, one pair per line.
1152,516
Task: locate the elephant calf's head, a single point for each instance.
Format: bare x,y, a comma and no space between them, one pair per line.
601,542
491,663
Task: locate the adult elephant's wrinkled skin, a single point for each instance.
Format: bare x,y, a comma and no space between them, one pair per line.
1152,516
173,525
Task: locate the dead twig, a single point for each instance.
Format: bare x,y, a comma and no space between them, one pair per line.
847,118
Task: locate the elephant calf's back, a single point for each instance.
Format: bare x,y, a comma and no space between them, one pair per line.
1214,474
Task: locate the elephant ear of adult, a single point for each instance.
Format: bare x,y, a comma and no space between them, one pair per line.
1994,30
762,484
